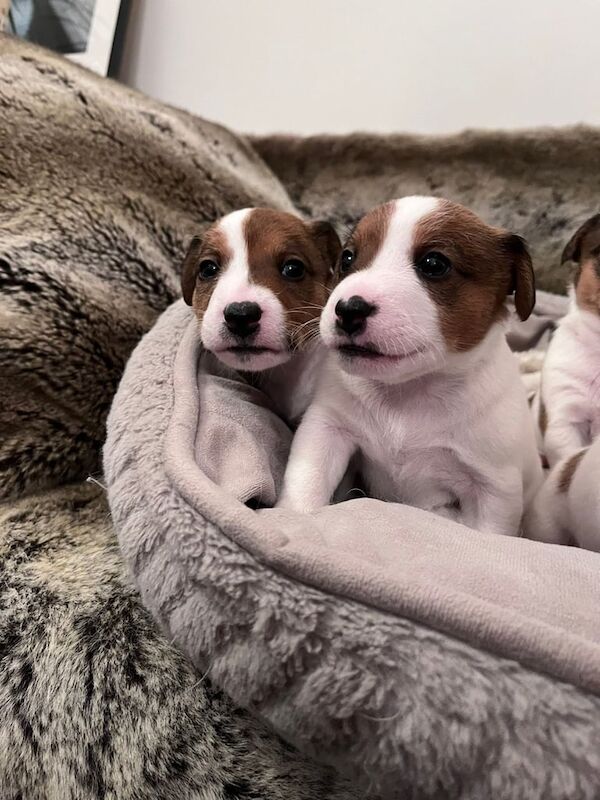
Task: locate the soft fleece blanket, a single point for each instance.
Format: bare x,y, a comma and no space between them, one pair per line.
300,617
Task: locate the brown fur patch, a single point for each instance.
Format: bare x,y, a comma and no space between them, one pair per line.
272,238
488,263
585,239
543,417
584,249
568,471
587,285
213,245
367,237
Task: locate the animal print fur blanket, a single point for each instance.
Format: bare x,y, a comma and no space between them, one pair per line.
100,189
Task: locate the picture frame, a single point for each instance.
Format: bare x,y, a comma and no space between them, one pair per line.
82,30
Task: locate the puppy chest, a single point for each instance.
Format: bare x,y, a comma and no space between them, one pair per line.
424,476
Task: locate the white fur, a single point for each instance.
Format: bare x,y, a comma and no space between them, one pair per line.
570,385
570,391
235,285
407,319
571,517
447,432
287,377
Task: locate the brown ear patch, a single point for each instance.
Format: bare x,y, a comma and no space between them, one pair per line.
584,240
213,246
327,241
189,269
587,285
584,249
488,264
368,236
568,471
272,237
523,279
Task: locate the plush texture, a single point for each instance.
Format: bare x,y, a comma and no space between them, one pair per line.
538,183
96,703
100,190
264,601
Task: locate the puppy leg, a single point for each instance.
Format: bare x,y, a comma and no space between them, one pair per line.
579,489
535,413
562,439
318,460
497,506
544,518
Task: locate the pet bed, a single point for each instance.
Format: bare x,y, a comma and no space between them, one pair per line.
302,619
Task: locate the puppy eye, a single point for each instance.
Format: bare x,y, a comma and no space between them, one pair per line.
433,266
293,269
346,261
207,269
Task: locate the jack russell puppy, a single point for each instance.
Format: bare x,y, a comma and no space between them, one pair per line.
568,402
566,510
257,280
420,382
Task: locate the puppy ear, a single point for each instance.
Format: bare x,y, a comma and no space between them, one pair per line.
327,240
189,270
585,238
522,275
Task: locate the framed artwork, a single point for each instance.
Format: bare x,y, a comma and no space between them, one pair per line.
83,30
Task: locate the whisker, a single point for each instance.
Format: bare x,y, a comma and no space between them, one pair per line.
308,305
328,289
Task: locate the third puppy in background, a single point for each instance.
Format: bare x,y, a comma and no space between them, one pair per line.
568,405
566,510
420,382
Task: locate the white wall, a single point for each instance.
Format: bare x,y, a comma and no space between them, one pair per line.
383,65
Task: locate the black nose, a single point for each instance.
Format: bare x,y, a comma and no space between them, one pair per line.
242,318
352,314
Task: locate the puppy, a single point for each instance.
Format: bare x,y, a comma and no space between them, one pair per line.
419,380
566,509
257,280
568,403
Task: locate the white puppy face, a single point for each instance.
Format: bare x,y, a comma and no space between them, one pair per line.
257,280
423,281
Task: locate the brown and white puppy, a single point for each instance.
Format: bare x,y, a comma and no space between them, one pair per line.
257,279
420,382
568,403
566,510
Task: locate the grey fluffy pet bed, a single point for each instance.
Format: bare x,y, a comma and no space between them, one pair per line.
305,620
